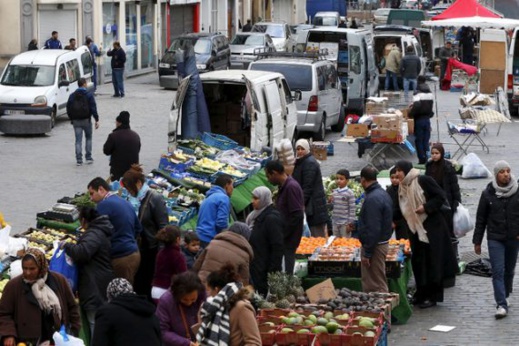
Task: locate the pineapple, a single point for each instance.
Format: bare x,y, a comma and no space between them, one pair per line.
283,304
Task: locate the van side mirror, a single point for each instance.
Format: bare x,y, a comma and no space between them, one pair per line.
298,95
63,83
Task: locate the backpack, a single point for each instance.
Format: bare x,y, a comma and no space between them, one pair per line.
79,107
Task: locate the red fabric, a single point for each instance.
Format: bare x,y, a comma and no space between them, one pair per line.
452,64
465,8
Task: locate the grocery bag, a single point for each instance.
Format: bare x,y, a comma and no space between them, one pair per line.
462,223
64,339
63,264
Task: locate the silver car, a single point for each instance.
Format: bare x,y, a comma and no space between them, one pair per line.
280,33
243,46
321,102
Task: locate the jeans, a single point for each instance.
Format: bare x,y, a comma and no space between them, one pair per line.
391,75
408,81
80,126
118,81
503,257
422,133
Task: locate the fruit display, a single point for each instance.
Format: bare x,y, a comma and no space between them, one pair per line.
308,245
199,148
284,291
209,164
337,253
233,171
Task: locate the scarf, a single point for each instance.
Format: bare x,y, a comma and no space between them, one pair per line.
137,200
505,191
264,195
240,228
215,329
410,197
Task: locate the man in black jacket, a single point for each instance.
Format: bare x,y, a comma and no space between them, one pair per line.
118,60
123,146
410,68
497,213
422,111
375,229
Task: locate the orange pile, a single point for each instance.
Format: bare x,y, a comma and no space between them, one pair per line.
309,244
350,242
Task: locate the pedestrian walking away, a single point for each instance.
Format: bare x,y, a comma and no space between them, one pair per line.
81,106
410,68
122,146
422,111
118,60
53,42
375,218
497,214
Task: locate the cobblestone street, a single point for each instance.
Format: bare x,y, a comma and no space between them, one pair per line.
36,171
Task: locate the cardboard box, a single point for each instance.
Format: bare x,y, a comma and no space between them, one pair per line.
405,113
375,107
386,136
320,154
410,126
388,121
357,130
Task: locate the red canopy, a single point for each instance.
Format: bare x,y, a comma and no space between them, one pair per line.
465,8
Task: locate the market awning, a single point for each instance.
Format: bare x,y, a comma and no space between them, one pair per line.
466,8
475,22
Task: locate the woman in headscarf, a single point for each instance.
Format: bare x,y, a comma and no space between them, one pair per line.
266,238
444,174
36,304
228,246
228,318
92,256
497,213
433,260
308,174
153,215
127,319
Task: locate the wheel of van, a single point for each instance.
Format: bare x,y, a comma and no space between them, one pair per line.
340,122
321,133
53,116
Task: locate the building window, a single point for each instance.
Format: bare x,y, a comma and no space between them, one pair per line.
146,34
110,33
131,37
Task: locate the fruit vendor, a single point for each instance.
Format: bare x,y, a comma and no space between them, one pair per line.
35,304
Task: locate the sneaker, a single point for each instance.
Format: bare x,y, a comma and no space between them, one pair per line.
79,163
115,95
90,161
122,95
500,312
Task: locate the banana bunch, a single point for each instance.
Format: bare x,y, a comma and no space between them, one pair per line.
233,171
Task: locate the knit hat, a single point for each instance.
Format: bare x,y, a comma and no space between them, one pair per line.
500,165
123,118
240,228
118,286
303,143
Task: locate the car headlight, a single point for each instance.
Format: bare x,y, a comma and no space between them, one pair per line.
164,65
201,66
39,101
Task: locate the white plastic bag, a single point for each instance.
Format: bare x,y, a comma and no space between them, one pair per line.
462,222
59,340
473,167
4,239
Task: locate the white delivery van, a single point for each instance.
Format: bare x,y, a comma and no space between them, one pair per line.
493,60
513,74
352,51
39,82
272,114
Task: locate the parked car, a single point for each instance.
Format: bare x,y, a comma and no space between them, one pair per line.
35,87
212,53
254,108
321,102
329,18
244,45
279,31
380,16
352,52
438,9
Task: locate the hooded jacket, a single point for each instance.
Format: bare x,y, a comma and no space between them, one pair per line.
128,320
225,247
410,66
92,256
123,146
213,216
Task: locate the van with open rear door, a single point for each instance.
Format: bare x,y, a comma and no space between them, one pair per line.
512,86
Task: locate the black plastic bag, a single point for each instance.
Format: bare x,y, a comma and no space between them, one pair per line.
479,267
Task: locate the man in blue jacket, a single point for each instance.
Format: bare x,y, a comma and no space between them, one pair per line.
124,251
213,216
375,229
53,42
81,106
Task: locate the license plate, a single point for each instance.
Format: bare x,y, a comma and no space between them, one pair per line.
12,111
164,65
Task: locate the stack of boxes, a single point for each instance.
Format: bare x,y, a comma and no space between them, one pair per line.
389,128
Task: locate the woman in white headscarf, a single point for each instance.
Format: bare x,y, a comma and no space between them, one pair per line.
421,201
307,173
266,238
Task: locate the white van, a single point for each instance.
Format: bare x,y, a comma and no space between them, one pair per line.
327,18
38,83
352,50
272,115
513,74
